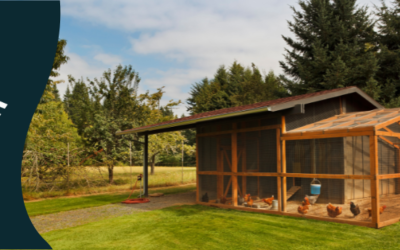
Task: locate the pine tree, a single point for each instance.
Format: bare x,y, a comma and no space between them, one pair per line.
334,47
388,74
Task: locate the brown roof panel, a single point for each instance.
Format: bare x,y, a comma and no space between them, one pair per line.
273,105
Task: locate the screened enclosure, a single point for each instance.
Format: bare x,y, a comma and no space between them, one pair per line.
344,168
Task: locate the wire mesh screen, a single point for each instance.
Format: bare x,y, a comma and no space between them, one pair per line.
258,189
319,156
207,153
357,155
257,151
313,112
208,188
228,188
395,127
388,155
389,203
333,192
225,142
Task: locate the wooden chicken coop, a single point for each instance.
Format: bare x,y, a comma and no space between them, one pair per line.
333,147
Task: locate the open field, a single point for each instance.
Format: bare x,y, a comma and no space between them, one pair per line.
66,204
124,178
201,227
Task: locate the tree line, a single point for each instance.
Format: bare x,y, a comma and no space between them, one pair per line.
335,44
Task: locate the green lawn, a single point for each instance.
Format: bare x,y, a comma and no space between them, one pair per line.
201,227
65,204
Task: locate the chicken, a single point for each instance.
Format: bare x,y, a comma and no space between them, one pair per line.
381,209
355,209
223,200
204,198
306,202
302,209
269,200
246,197
250,202
333,211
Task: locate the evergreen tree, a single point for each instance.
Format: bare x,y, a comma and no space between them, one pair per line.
334,47
388,74
234,87
59,59
78,104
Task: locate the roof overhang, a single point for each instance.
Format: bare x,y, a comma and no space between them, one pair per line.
186,124
273,107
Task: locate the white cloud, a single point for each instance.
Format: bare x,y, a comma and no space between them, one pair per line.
108,59
201,35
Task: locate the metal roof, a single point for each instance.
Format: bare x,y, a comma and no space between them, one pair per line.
272,106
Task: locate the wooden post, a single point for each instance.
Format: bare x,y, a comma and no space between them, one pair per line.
146,166
220,169
197,168
234,166
374,164
244,163
283,170
398,171
278,167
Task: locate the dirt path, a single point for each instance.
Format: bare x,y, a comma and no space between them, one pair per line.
50,222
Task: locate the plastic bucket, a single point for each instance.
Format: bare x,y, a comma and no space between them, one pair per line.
315,188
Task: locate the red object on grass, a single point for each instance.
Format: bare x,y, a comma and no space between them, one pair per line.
135,201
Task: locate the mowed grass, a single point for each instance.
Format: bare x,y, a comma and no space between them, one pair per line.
201,227
124,178
65,204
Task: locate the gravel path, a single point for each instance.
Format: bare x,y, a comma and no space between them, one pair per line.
50,222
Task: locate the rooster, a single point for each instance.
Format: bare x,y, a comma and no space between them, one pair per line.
302,209
355,209
381,209
333,211
269,200
306,202
246,197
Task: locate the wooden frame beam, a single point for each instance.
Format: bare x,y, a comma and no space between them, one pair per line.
297,175
234,166
240,130
278,166
373,149
308,136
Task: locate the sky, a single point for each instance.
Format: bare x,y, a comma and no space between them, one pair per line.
174,43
